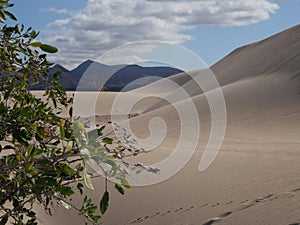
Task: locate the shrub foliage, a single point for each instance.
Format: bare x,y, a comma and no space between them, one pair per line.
41,160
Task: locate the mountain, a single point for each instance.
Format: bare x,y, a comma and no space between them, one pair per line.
139,76
80,69
113,78
58,67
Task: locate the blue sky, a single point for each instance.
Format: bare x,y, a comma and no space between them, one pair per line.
85,29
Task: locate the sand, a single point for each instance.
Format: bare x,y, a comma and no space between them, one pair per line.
255,178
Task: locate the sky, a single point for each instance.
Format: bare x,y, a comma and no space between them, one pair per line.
86,29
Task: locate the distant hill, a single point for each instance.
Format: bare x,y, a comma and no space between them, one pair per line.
119,76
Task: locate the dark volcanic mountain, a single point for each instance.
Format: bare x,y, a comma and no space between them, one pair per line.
92,76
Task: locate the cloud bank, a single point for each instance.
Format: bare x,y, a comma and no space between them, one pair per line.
105,24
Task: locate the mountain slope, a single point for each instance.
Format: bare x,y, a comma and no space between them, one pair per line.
115,77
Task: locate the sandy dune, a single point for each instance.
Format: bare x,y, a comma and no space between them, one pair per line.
255,178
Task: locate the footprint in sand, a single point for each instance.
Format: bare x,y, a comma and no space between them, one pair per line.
188,209
139,219
290,196
165,213
156,214
134,221
247,204
204,205
244,201
295,190
177,210
215,205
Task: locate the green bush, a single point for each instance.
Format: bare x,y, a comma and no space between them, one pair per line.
40,157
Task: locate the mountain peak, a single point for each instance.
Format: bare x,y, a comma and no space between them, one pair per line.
80,69
88,61
58,67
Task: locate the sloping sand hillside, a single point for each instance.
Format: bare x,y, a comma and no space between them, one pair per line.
255,178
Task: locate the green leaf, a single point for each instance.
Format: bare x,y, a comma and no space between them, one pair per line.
96,218
86,202
36,152
4,220
104,202
93,134
71,111
35,44
21,28
62,129
120,189
16,203
42,132
96,133
34,34
50,181
2,16
100,130
87,179
65,205
80,188
56,75
124,182
26,77
10,15
80,134
2,108
66,169
20,135
48,48
28,166
91,209
107,140
65,191
31,214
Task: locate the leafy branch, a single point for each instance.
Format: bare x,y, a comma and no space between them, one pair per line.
42,159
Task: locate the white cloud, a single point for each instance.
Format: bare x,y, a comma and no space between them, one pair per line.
58,11
105,24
